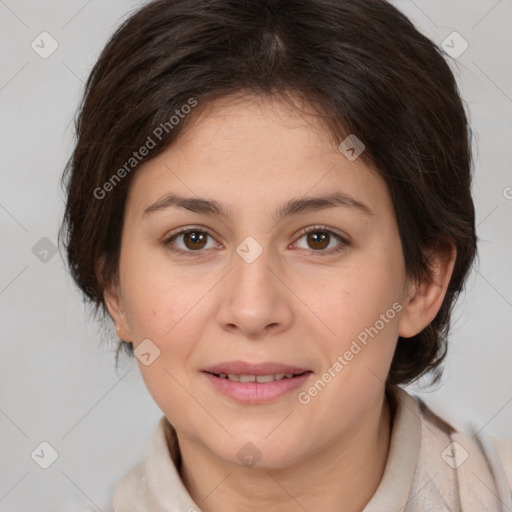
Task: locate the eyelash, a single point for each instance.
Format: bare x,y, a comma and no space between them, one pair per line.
314,229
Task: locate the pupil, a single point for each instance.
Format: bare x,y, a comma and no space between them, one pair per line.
324,239
196,237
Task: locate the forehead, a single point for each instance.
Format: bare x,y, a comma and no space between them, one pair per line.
252,152
238,126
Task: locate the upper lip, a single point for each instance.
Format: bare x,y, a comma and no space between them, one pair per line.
244,368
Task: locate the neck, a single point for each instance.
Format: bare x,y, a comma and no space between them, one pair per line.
341,476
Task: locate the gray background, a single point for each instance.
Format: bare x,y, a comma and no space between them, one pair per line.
57,378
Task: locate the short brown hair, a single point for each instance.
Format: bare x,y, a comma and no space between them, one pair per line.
362,65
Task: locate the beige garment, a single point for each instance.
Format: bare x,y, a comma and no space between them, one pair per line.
431,467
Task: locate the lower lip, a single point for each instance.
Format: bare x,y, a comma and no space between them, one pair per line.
256,392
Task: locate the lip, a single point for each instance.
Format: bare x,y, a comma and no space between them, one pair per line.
245,368
256,392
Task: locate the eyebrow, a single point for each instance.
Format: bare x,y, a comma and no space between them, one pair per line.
294,206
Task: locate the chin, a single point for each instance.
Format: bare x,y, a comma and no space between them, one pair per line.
260,453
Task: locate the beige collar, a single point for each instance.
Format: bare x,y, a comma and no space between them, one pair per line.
418,475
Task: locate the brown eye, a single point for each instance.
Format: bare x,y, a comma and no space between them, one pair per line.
318,239
189,242
195,240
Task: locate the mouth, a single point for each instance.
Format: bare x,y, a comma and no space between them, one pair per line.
262,379
255,384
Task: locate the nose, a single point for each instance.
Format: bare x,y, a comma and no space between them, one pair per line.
254,298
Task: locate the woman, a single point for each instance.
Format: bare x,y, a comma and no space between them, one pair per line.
271,200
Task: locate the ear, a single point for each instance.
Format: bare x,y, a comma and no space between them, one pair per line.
114,301
424,299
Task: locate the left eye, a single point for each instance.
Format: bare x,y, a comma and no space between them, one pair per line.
193,240
319,239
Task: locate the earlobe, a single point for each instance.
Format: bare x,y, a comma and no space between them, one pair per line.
113,300
115,306
426,297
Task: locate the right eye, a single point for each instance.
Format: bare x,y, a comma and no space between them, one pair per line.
193,240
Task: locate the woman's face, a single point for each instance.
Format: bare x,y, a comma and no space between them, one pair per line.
247,285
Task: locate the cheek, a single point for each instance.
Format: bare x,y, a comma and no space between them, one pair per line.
361,309
357,299
165,307
157,295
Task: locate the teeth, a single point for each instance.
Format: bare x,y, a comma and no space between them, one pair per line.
265,378
255,378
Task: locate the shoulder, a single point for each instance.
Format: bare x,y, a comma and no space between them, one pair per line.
127,492
131,493
154,483
461,468
504,450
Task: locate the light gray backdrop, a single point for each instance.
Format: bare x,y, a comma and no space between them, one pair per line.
57,380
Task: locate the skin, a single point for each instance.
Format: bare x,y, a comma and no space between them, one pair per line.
291,305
